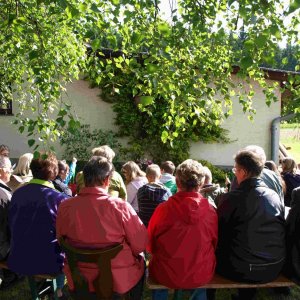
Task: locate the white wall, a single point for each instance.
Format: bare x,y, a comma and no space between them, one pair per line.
242,131
89,108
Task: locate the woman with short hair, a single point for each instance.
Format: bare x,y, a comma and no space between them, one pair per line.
183,233
32,215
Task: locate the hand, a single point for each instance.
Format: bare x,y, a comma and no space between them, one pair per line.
74,160
227,180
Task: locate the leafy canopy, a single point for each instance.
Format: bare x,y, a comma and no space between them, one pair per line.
175,74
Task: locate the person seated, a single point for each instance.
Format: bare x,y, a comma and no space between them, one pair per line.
183,233
22,173
117,187
251,244
32,216
94,219
58,182
271,179
135,178
209,190
7,277
292,266
150,195
167,178
4,150
290,177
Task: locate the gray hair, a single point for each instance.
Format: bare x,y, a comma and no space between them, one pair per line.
97,170
5,162
104,151
190,174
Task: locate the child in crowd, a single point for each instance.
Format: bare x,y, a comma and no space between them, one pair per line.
167,178
150,195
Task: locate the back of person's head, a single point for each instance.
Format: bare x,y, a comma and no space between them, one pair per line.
270,164
207,175
153,172
131,170
288,165
258,151
250,161
23,166
190,175
104,151
96,171
5,168
168,167
45,167
4,150
5,162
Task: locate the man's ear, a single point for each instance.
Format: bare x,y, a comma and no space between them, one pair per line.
106,181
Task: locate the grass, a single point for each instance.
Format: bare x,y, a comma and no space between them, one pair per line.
290,137
21,292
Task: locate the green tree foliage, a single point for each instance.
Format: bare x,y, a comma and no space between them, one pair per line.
177,73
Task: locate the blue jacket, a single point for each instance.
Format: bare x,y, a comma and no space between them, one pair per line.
32,217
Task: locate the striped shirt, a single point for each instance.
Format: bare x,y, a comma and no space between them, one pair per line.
149,197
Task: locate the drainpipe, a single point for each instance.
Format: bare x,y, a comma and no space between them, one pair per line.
275,129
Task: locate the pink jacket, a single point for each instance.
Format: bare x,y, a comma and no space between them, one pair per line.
183,233
93,219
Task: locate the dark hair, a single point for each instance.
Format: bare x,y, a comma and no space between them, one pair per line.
251,162
168,167
270,164
4,148
45,167
190,174
62,166
97,170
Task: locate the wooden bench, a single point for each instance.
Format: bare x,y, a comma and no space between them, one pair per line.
35,294
219,282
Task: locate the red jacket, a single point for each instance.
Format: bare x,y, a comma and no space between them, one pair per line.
94,219
183,235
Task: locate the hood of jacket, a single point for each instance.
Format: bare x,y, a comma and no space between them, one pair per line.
165,177
155,191
189,206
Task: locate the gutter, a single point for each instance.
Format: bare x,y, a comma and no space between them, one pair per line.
275,130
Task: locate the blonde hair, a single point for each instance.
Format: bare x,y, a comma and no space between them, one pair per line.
104,151
289,165
23,166
133,171
190,174
153,171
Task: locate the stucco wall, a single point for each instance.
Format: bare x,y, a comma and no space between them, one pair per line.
89,108
242,131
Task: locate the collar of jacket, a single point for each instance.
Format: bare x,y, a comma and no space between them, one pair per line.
4,186
251,182
42,182
93,190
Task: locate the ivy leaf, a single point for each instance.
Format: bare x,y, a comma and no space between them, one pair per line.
146,100
31,143
246,62
96,44
294,6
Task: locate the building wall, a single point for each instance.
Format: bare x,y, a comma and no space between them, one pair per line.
242,131
89,108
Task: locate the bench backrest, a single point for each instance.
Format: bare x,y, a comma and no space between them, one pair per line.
103,283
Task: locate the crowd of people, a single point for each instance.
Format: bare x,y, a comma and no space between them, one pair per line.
187,226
